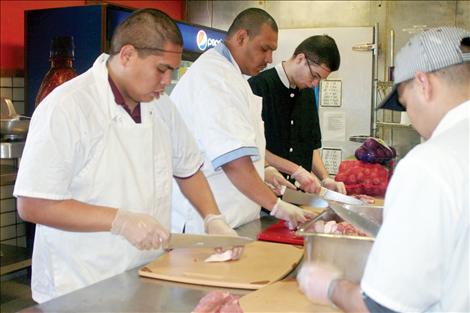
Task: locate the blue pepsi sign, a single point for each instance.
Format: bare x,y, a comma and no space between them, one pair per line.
199,39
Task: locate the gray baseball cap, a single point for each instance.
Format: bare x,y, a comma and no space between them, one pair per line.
428,51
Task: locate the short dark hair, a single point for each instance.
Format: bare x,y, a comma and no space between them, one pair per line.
251,19
320,49
146,28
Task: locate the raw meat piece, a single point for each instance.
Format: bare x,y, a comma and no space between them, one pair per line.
232,305
319,226
342,228
330,227
220,257
218,302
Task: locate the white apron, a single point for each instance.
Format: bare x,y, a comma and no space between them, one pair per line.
130,169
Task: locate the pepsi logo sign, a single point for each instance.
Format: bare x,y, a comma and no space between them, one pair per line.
203,42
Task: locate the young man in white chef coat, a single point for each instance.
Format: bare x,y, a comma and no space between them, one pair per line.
96,172
420,258
221,111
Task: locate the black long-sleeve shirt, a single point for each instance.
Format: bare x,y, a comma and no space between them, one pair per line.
291,123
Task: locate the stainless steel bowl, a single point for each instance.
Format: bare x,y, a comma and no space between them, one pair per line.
18,126
346,253
11,122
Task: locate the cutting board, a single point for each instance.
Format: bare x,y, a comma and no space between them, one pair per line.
282,296
280,232
261,264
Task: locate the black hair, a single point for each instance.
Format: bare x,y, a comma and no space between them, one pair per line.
252,20
320,49
147,29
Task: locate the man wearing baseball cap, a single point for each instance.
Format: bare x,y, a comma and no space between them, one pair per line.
420,258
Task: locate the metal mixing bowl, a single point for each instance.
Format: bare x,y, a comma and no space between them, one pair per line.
346,253
11,122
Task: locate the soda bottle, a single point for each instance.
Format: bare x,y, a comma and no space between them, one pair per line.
61,58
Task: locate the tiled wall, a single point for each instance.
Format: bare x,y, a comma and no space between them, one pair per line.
13,88
12,228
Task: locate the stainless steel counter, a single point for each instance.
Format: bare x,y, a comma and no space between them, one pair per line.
128,292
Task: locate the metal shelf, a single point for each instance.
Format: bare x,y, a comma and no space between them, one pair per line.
13,258
397,125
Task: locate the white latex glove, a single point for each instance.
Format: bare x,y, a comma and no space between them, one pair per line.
330,183
276,181
290,213
308,182
317,282
216,225
141,230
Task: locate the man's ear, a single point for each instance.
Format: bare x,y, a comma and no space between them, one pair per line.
300,58
425,85
126,53
241,37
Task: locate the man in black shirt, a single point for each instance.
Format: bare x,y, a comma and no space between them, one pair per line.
290,114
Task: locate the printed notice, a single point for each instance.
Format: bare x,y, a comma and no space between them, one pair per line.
334,126
330,93
331,158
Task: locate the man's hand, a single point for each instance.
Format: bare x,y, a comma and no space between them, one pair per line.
141,230
317,282
216,225
308,182
290,213
276,181
330,183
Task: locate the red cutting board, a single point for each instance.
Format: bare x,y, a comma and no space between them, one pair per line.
279,232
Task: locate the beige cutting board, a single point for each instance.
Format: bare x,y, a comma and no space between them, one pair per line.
261,263
282,296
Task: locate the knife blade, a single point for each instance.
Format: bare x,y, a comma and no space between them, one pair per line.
304,198
336,196
204,241
360,222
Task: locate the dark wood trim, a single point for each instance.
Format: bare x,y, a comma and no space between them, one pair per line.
12,72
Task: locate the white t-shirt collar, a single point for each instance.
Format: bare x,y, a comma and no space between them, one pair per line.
457,114
282,75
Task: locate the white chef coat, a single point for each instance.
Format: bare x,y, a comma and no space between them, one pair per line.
82,145
420,259
221,111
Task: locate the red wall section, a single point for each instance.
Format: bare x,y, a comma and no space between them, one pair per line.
12,23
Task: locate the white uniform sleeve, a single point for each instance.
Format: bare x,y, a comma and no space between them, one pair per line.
225,123
187,158
49,157
404,269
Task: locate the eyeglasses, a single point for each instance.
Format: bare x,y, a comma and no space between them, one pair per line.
314,77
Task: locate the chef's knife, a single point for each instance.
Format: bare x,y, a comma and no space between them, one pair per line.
303,198
319,200
204,241
336,196
356,219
